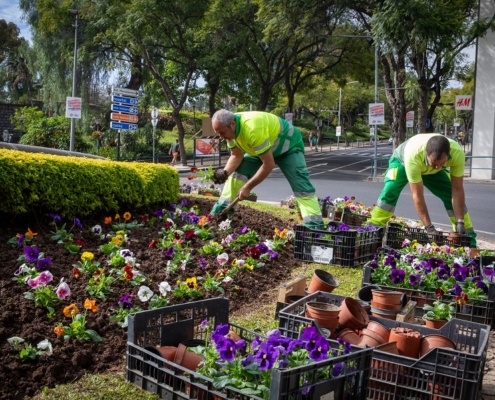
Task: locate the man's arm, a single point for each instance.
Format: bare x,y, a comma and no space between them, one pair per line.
235,159
458,200
417,190
261,174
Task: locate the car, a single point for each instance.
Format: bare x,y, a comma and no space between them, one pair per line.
390,140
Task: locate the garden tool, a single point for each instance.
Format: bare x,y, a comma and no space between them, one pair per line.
224,212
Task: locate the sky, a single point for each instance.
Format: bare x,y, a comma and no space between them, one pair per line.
10,12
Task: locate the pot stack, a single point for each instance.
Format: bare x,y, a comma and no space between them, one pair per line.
386,304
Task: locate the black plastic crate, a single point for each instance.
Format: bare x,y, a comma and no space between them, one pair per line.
395,234
459,371
479,311
350,218
327,209
170,326
345,248
441,373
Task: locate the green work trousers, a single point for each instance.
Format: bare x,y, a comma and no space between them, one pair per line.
395,179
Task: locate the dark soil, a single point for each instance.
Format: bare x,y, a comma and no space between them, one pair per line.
72,359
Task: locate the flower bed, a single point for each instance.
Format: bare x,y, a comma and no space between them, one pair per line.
171,325
340,244
425,273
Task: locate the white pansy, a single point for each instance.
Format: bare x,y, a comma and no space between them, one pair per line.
145,293
47,346
15,340
164,288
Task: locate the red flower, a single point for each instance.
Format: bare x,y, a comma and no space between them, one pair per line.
153,244
253,252
462,299
194,169
176,235
190,235
439,293
77,273
191,177
167,225
98,272
144,218
353,198
80,242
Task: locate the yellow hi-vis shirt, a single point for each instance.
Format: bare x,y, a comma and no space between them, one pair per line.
257,132
412,155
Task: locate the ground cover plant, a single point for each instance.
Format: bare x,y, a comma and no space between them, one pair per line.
69,285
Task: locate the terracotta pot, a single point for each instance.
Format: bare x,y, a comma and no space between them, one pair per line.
379,329
322,281
390,307
370,338
337,215
387,297
349,336
234,336
454,239
435,323
407,340
432,341
326,315
390,347
387,314
365,294
352,314
187,359
293,299
167,352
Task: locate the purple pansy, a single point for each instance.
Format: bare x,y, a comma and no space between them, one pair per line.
169,253
397,276
125,301
266,356
414,279
77,223
320,351
31,253
44,263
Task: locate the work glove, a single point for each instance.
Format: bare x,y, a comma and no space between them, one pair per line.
432,232
459,227
220,176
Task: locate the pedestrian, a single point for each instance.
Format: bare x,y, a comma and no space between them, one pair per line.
315,142
174,151
310,139
259,141
422,161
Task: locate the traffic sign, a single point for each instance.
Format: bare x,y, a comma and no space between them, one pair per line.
338,130
124,117
124,109
125,92
125,100
121,125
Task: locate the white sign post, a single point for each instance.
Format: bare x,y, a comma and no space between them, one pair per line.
73,107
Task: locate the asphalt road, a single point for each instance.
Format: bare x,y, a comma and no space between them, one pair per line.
345,172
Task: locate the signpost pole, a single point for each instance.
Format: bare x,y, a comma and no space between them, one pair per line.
154,120
118,144
72,120
375,155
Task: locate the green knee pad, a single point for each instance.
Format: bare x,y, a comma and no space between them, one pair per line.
218,208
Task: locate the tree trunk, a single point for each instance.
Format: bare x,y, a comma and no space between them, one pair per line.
180,128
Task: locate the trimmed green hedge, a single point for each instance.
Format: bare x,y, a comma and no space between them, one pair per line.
73,186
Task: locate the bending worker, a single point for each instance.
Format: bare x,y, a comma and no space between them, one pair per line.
422,161
258,141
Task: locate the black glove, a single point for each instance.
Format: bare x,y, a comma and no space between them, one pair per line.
432,232
459,227
220,176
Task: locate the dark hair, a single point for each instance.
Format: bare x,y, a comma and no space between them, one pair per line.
437,146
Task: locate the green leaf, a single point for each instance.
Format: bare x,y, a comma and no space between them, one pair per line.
94,335
29,295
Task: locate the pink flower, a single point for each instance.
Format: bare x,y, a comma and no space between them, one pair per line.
33,283
63,291
45,277
222,258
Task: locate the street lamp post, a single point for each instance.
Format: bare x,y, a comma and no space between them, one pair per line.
72,120
154,120
97,125
340,108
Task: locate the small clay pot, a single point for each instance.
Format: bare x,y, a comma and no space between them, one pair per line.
432,341
387,297
234,336
370,338
365,294
435,323
408,341
322,281
379,329
352,315
389,307
326,315
384,313
390,347
166,352
454,239
293,299
187,359
349,336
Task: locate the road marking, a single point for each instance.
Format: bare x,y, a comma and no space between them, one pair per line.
365,169
348,165
317,165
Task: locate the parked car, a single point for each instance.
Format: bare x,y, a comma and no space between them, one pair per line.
390,140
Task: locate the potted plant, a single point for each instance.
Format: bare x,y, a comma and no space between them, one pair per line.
438,314
211,190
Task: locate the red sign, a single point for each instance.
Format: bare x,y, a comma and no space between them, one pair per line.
124,117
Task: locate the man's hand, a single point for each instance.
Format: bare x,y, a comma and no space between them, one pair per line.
432,232
459,227
220,176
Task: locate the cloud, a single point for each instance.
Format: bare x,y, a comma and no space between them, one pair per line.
12,13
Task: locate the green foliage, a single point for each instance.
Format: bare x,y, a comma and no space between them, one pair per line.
439,310
44,296
84,186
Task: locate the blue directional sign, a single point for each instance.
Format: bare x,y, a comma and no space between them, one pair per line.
124,109
125,127
124,100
